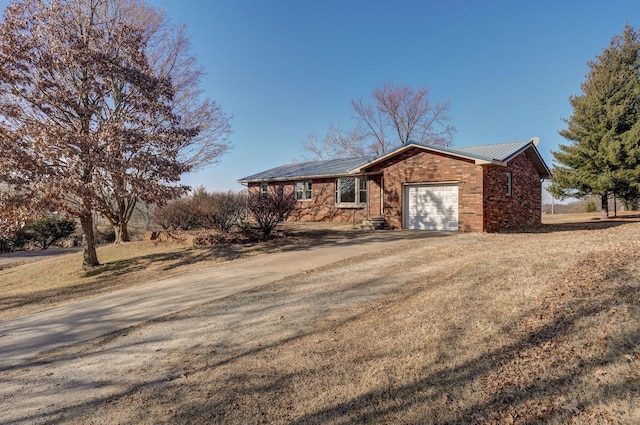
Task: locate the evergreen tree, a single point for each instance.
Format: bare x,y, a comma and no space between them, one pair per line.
604,156
44,232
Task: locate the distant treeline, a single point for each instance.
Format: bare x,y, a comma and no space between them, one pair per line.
588,204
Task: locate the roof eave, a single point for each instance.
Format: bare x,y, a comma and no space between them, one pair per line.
492,162
539,163
543,169
300,178
414,145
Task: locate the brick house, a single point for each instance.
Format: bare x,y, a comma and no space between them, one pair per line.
417,186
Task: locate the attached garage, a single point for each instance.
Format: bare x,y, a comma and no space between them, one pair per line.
479,188
431,207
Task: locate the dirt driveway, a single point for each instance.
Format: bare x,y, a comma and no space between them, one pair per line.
25,337
302,348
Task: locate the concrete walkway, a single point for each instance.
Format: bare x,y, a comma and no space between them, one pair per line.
23,338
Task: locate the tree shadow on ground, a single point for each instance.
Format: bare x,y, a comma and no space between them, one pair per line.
110,274
525,381
510,392
528,380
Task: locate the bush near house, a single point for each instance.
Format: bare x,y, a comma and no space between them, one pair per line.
217,210
270,208
203,210
175,215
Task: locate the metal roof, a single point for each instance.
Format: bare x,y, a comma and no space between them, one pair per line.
496,153
327,168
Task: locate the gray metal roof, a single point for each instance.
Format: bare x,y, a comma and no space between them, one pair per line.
492,153
328,168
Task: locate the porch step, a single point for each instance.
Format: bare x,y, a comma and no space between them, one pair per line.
374,223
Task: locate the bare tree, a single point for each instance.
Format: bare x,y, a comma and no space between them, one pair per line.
337,143
396,115
168,49
86,116
399,114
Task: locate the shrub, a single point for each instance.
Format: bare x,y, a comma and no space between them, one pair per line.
105,236
176,215
218,210
269,209
590,207
44,232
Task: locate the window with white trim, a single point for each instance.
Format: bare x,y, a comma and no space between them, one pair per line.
351,191
264,187
303,190
509,183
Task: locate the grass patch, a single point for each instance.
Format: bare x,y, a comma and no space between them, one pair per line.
52,282
36,286
515,328
491,329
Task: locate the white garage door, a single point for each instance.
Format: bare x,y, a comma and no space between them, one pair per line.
431,207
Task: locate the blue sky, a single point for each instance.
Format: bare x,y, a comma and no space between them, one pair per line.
286,68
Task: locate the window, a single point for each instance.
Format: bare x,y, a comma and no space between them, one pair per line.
351,191
303,191
508,184
263,189
362,195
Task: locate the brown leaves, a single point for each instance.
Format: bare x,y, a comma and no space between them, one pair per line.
573,343
93,118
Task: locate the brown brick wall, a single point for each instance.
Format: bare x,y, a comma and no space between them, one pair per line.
483,204
418,166
321,206
523,207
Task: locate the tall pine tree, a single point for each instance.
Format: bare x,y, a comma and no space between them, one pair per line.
603,157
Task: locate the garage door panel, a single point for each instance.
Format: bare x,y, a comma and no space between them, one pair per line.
431,207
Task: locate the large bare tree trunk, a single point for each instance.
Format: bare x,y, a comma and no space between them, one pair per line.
124,232
121,232
605,206
89,256
117,231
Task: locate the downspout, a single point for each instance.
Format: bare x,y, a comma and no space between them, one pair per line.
382,196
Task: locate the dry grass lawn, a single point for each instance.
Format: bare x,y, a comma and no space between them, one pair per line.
539,327
25,288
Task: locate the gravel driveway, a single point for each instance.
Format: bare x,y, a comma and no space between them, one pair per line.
24,337
143,373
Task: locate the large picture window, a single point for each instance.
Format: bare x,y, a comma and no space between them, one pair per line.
303,190
351,191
